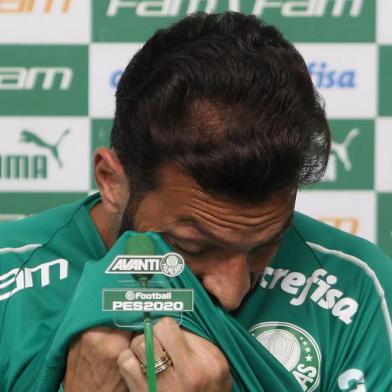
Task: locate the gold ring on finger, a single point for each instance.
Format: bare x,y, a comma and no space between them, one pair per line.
162,363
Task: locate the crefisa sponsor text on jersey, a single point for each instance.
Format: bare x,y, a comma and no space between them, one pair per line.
299,285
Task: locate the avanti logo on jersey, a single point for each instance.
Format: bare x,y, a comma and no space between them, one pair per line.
294,348
323,293
293,8
31,6
35,78
328,77
171,264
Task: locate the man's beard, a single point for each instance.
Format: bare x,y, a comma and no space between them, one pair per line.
128,218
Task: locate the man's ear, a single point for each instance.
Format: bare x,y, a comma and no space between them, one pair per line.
111,180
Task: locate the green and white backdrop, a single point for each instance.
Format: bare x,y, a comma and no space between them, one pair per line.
60,61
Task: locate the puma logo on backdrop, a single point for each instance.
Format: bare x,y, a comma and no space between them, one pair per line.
31,137
341,149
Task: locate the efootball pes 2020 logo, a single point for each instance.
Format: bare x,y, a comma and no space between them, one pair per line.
294,348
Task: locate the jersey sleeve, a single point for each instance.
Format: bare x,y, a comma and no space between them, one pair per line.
41,258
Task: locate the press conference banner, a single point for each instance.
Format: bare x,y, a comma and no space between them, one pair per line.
60,62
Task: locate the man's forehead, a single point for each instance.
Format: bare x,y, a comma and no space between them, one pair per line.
189,229
180,207
190,205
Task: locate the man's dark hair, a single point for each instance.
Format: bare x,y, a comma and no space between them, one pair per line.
226,98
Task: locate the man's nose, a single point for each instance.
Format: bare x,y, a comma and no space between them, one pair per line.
229,280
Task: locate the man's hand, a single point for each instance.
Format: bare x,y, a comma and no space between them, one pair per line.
92,361
198,365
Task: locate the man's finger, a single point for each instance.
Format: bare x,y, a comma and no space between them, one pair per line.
105,340
172,339
131,371
139,348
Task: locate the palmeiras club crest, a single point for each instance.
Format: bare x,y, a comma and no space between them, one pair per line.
294,348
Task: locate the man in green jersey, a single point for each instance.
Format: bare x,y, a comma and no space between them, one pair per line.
217,125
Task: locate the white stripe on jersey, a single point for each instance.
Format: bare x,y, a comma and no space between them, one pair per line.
361,264
20,249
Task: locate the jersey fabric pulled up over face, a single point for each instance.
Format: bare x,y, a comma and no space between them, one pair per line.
319,320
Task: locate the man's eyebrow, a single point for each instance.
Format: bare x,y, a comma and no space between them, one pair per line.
207,234
287,224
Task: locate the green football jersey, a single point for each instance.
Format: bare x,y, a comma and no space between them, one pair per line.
318,320
323,309
41,259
